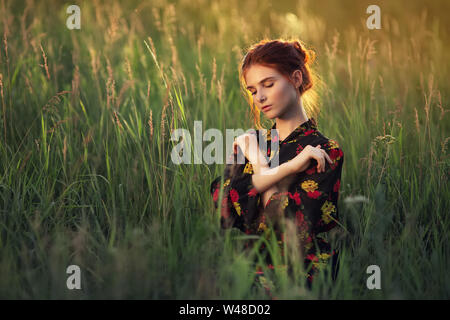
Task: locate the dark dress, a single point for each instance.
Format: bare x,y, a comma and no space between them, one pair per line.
308,199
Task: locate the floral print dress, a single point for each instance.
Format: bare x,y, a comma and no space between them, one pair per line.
308,199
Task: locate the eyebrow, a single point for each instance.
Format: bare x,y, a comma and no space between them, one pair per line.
265,79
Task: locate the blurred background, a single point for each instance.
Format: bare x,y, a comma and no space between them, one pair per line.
86,116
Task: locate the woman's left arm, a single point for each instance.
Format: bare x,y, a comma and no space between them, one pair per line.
319,191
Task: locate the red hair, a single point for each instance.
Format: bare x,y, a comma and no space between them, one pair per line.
285,57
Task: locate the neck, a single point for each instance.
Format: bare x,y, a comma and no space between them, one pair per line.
290,120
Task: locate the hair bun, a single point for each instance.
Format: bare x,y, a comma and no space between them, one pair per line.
307,55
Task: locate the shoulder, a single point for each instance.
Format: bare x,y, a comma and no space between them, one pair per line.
329,143
331,146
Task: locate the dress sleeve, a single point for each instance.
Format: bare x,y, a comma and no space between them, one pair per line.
239,207
319,192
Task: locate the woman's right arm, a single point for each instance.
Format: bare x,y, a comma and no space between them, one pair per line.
266,179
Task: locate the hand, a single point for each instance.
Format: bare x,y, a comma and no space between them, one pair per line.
248,144
302,161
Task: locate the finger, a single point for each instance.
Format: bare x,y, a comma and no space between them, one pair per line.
319,164
326,156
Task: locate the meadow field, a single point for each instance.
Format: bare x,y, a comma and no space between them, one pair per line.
86,176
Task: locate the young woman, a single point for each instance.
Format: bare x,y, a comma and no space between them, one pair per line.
304,187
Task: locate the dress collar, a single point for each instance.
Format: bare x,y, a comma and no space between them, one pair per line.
303,128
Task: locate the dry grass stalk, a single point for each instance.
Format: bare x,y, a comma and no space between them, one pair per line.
150,123
128,68
213,79
56,126
3,106
157,18
117,120
65,149
184,83
76,85
163,114
27,157
54,100
5,42
45,65
124,88
174,52
110,86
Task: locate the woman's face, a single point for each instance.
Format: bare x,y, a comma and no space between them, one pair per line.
270,88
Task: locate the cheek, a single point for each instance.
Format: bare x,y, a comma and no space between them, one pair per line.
284,95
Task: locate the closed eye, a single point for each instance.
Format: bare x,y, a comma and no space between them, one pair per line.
268,86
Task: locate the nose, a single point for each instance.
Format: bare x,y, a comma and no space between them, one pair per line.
261,98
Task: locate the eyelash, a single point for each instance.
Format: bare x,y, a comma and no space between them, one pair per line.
266,87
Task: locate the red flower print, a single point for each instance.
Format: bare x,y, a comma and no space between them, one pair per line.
268,152
225,211
337,185
314,194
216,195
307,133
252,192
299,149
311,171
234,195
334,153
312,257
224,201
300,218
296,197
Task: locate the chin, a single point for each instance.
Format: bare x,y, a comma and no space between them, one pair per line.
271,115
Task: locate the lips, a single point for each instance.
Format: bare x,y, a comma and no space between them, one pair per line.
266,108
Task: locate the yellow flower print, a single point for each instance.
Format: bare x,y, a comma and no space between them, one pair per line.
327,208
322,260
262,226
272,153
237,207
285,203
309,185
227,182
333,144
248,168
266,283
268,135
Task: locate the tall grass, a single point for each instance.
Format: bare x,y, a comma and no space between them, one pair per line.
87,179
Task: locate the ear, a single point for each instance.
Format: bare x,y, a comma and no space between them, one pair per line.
297,78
